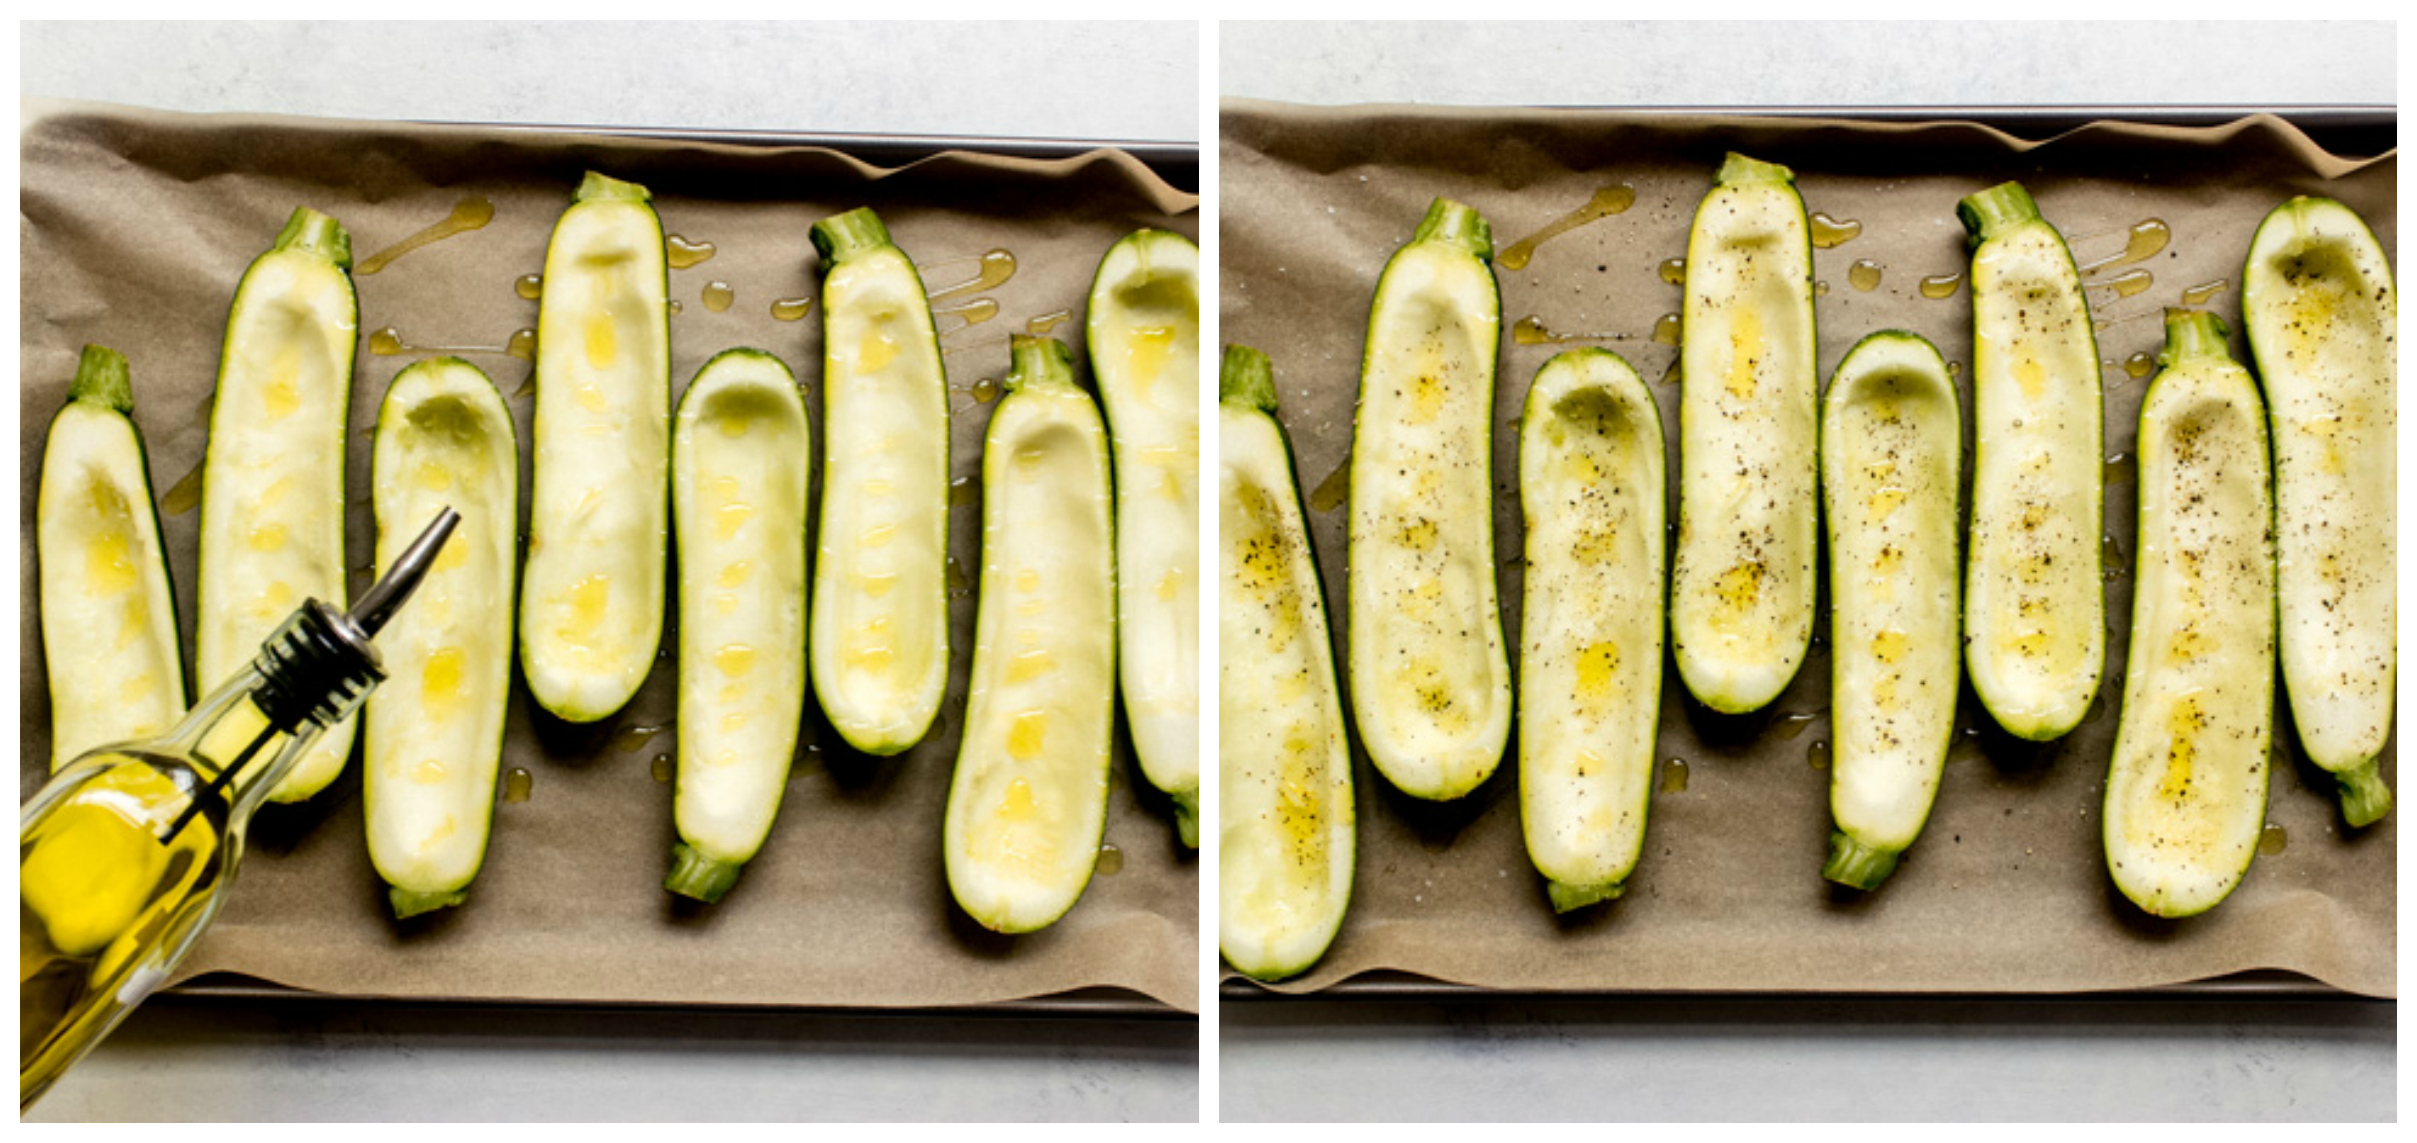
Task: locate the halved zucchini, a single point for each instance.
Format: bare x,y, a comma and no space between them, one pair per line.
1590,673
2034,608
591,604
2317,298
1430,678
272,493
1285,829
1741,585
108,608
1144,327
740,451
1029,800
435,731
2186,789
880,629
1892,442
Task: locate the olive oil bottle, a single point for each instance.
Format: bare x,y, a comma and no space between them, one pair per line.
125,857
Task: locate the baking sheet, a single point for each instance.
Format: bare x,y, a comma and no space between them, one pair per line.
2006,891
134,227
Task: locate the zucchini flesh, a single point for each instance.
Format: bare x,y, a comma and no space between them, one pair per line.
272,493
1430,678
1741,585
108,609
433,734
1029,800
1590,670
1285,828
2186,789
879,647
2034,608
591,605
739,458
1144,333
1891,457
2321,311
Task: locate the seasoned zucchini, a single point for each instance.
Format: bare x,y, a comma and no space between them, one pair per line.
435,732
1285,828
1144,333
1430,678
879,646
272,492
739,456
1029,800
2034,608
1892,441
2186,790
108,609
1590,670
1741,585
591,604
2317,298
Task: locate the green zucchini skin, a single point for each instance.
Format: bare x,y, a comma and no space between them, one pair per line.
2186,787
1590,671
1143,330
1430,676
741,451
2321,311
1891,460
1286,832
272,503
1742,577
433,735
591,609
2034,601
108,603
1028,801
879,637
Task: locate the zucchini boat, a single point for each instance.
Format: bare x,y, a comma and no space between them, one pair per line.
434,733
108,608
1430,678
272,492
1144,334
1590,670
1285,829
2034,608
740,452
879,648
591,603
1892,442
2186,789
2321,313
1029,800
1741,583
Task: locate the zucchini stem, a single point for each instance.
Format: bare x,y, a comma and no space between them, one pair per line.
1454,224
1571,898
318,233
1043,361
605,188
408,903
2364,797
1855,864
1992,212
1247,378
1187,818
1738,170
853,234
2193,333
101,379
695,875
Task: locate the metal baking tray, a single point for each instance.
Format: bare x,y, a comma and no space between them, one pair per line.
2350,130
1179,165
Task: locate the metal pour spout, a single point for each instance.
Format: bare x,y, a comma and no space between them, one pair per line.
384,598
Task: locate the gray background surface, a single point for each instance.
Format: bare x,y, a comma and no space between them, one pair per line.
1822,1059
314,1060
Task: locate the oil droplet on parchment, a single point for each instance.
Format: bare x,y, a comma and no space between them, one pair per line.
791,309
1606,202
516,785
468,214
1674,776
1864,275
682,253
1829,232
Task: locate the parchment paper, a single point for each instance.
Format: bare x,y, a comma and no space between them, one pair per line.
134,227
2006,891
